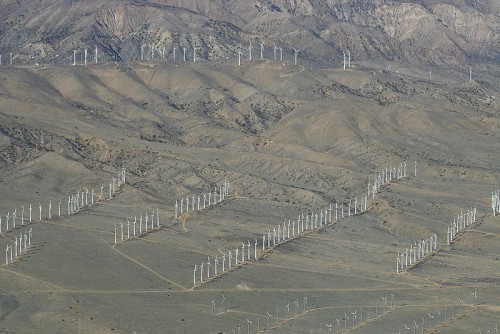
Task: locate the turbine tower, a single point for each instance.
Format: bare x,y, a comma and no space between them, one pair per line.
296,51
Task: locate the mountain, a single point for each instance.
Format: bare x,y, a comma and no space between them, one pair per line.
427,32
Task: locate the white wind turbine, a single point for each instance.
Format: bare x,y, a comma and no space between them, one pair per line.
296,52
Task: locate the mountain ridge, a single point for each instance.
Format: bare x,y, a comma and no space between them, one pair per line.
427,32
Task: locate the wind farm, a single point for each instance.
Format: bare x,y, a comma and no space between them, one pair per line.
179,188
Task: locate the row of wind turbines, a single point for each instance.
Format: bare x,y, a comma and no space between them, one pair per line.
310,222
449,314
276,48
76,203
27,243
197,206
156,52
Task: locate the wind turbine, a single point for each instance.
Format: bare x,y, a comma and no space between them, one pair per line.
194,55
287,308
345,321
275,48
344,61
296,52
248,328
261,52
250,51
239,60
348,58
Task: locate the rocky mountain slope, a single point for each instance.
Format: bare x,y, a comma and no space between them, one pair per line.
420,32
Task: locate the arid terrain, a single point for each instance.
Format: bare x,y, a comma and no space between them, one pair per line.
290,139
